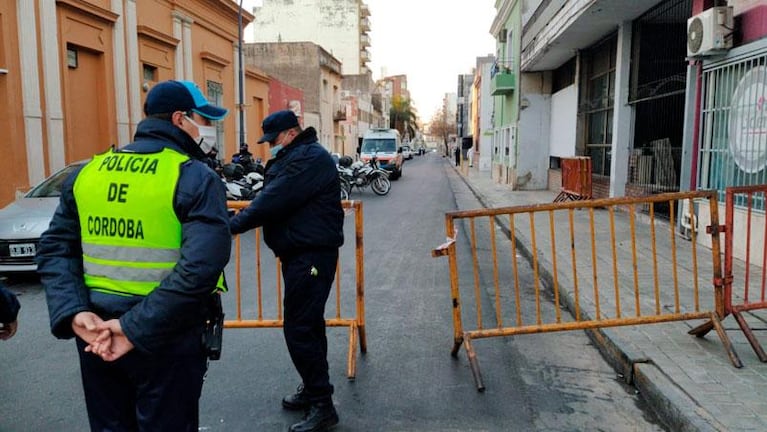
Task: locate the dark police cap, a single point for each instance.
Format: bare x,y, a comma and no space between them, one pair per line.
277,122
171,96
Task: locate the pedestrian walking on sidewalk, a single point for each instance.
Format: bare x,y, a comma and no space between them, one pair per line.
303,225
470,156
457,152
132,263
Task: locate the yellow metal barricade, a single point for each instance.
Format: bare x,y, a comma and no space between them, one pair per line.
606,267
352,317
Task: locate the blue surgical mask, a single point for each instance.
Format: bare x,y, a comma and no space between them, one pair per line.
276,149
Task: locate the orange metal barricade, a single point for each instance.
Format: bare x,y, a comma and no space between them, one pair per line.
745,288
341,318
629,289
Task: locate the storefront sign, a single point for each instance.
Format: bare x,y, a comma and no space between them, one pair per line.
748,121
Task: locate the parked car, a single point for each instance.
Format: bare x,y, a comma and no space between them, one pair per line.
23,221
407,153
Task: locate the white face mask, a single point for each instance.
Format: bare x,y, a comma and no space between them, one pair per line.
207,138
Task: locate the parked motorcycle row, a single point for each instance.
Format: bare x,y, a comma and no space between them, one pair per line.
356,174
243,177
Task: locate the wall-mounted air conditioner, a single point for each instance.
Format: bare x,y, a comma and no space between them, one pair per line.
710,32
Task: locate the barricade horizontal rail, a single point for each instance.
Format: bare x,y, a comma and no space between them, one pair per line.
593,264
349,310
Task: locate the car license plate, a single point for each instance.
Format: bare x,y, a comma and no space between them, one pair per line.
22,249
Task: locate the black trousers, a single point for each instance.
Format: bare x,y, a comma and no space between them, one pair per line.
308,278
142,392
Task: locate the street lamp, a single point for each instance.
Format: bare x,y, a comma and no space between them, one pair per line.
240,74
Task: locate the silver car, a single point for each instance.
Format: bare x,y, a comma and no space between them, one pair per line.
23,222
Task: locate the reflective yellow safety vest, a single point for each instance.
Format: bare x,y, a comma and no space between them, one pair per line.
131,236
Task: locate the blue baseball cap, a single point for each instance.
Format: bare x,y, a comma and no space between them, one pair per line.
171,96
277,122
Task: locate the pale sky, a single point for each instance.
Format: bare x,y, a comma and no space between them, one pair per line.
430,41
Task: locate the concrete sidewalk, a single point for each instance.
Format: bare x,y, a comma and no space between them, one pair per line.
689,382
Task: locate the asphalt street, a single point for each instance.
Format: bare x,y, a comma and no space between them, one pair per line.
407,381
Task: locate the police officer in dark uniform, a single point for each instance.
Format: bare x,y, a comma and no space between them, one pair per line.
132,261
303,224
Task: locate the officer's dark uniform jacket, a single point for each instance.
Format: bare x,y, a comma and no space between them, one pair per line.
299,206
171,316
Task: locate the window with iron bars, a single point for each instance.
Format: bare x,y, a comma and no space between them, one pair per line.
733,132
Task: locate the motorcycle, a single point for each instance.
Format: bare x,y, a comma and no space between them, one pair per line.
241,186
360,175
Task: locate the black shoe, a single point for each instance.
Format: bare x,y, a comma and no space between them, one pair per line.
298,401
321,417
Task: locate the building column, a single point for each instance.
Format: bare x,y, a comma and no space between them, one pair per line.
178,34
623,114
121,66
187,49
134,78
50,83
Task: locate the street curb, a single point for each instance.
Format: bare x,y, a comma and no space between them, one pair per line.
676,409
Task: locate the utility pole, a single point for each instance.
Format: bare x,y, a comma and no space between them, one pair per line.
240,75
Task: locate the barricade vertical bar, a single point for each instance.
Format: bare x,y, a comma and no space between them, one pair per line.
259,285
694,241
360,267
554,265
279,289
238,289
575,267
338,288
475,265
535,270
672,235
454,289
494,250
748,246
654,259
716,255
764,252
764,255
616,281
474,365
729,245
513,240
594,275
634,265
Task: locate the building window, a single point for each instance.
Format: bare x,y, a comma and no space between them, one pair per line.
71,57
216,97
733,137
598,95
149,72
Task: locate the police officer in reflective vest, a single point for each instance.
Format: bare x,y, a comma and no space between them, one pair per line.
132,265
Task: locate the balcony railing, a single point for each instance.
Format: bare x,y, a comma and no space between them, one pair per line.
503,78
364,24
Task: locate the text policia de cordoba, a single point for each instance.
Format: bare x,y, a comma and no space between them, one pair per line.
108,226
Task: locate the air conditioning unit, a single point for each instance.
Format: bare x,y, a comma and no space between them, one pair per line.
710,32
